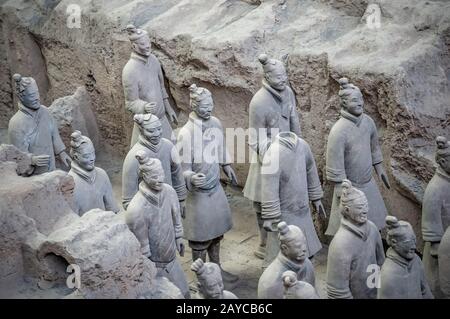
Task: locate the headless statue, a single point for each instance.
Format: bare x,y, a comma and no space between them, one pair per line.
355,248
151,141
272,110
202,153
33,130
153,215
143,83
402,274
436,214
210,284
352,150
295,289
292,256
289,182
92,186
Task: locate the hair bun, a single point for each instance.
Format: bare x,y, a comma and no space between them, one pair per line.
76,136
392,222
17,77
346,186
343,82
263,58
441,142
193,87
138,118
283,228
131,29
289,278
142,157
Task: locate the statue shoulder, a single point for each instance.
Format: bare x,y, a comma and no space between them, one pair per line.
260,99
217,123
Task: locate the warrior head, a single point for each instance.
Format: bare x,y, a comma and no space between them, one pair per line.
27,91
294,289
292,242
274,72
443,153
149,127
351,98
140,41
151,171
82,151
209,278
354,203
400,236
201,101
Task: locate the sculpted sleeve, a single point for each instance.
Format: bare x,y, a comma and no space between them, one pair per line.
432,228
338,272
377,156
314,187
335,157
425,288
270,183
294,117
176,214
17,136
108,197
257,137
131,92
184,149
138,226
58,145
130,178
178,182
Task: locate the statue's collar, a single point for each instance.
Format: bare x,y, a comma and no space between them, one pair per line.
200,122
360,231
287,139
442,173
153,147
155,199
88,176
289,264
139,57
399,260
355,119
27,110
277,94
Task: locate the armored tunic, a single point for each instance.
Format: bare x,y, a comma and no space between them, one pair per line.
270,285
167,153
202,149
92,190
290,183
36,132
403,279
143,82
352,150
351,251
270,112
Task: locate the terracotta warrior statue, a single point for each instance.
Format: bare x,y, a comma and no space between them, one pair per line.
210,285
155,146
402,274
444,264
295,289
292,256
154,217
272,110
143,83
33,130
352,150
289,181
203,152
92,186
354,250
436,213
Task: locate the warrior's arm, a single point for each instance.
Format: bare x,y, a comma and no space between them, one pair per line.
138,226
314,188
178,182
257,138
270,184
379,250
425,288
130,180
184,148
338,273
165,96
58,145
176,214
432,228
17,137
294,117
377,156
335,157
108,197
131,92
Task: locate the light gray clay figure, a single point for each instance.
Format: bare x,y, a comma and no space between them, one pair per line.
210,284
33,130
352,150
203,152
92,186
436,213
402,275
143,82
272,110
289,181
153,215
294,289
354,250
155,146
444,264
292,256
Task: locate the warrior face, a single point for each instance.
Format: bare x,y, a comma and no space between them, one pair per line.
295,249
277,78
30,96
354,103
142,45
204,108
154,179
85,157
405,244
444,163
152,133
357,210
212,288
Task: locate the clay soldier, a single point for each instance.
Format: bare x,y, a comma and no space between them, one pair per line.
402,274
294,289
143,82
352,150
444,264
154,217
356,246
92,186
436,213
289,181
292,256
208,215
33,130
272,110
210,285
155,146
